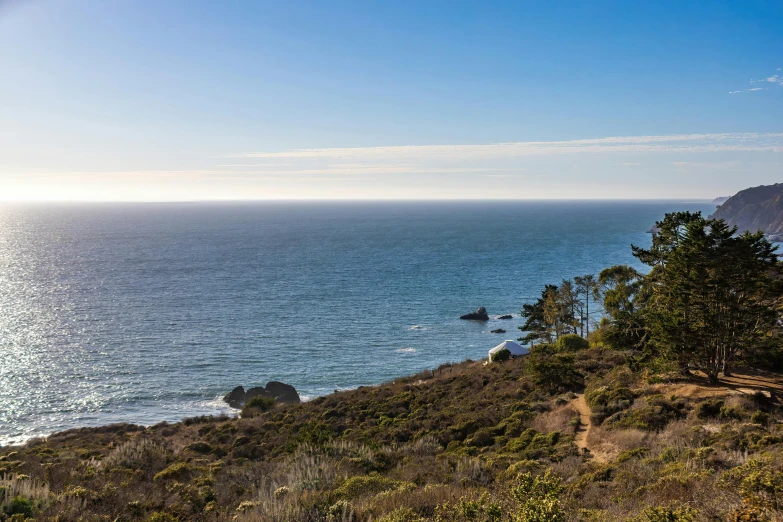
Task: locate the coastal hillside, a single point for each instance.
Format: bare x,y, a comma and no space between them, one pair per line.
503,441
754,209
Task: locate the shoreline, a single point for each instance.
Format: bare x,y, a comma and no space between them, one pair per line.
227,411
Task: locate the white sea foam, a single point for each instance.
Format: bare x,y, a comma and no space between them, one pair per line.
407,349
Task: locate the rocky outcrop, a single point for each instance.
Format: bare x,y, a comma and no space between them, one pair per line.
499,330
754,209
507,316
236,397
283,392
479,315
279,391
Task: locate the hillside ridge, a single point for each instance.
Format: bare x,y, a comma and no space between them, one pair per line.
754,209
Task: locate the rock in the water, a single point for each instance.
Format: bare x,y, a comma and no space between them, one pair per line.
279,391
479,315
507,316
499,330
236,397
283,392
258,391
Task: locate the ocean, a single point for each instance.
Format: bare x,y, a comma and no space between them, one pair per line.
145,313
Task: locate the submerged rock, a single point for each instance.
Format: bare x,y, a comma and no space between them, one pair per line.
479,315
499,330
507,316
236,397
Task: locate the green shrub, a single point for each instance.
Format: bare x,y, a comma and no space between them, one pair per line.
553,372
162,516
482,437
364,486
178,470
756,480
629,454
20,505
542,349
669,514
256,405
709,409
502,355
606,401
571,343
727,412
314,433
760,417
538,498
653,416
469,509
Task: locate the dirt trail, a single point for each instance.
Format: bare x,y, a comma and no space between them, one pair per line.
585,425
744,381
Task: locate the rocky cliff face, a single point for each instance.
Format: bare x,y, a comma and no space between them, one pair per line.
757,208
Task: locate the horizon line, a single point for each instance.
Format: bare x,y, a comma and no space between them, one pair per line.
346,200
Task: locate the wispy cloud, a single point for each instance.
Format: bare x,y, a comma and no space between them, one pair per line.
510,169
775,79
749,142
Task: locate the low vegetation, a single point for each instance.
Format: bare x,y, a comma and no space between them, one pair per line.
464,442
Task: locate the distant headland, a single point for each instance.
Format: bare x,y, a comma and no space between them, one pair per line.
754,209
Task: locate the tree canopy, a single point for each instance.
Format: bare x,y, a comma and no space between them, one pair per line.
712,296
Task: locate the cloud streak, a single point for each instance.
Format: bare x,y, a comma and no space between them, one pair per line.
737,142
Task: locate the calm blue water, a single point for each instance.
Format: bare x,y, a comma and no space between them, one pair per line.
148,312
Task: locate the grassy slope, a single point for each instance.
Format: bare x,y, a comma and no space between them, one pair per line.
457,439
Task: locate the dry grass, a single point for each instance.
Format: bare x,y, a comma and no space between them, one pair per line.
138,453
15,486
559,419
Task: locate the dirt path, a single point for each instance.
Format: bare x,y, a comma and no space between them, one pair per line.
585,425
744,381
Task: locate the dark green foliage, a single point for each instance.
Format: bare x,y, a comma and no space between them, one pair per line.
502,355
256,405
760,417
709,409
623,302
553,372
20,505
713,295
538,323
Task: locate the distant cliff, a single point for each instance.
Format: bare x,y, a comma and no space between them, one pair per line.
757,208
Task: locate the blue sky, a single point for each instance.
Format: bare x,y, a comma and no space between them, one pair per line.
184,100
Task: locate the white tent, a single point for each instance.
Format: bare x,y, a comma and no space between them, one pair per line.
511,346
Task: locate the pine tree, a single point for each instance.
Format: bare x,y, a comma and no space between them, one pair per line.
713,294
